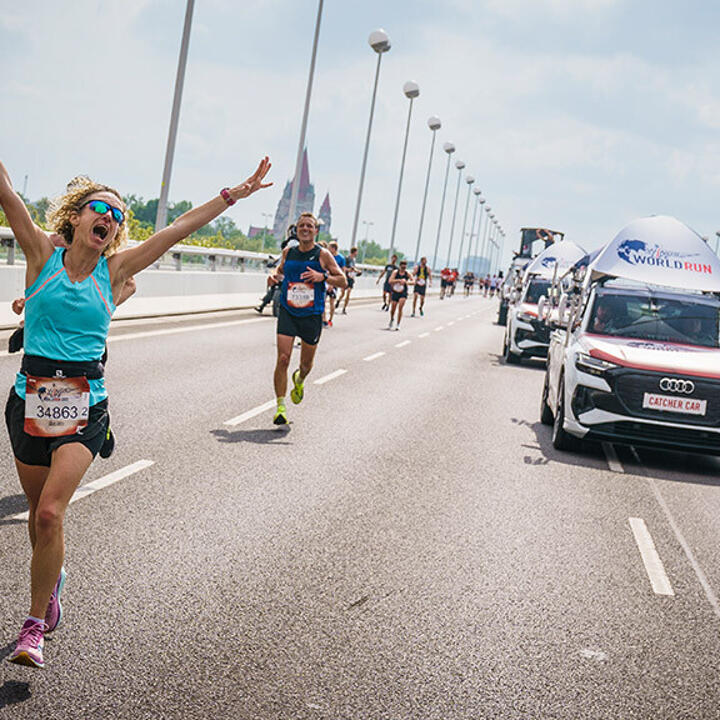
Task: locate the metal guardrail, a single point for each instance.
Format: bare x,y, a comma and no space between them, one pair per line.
202,258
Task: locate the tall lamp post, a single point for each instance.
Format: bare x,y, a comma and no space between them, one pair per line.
264,237
481,201
485,245
434,124
476,191
717,242
449,148
469,180
459,164
411,90
380,43
365,241
303,126
161,217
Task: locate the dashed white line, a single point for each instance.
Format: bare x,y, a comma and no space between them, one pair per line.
374,356
251,413
330,376
653,564
403,343
425,334
613,460
100,483
451,323
439,328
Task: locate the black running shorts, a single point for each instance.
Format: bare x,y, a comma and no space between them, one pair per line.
398,295
307,327
33,450
350,283
420,289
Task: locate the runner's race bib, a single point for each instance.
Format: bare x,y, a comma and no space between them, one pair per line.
300,294
56,406
398,287
420,281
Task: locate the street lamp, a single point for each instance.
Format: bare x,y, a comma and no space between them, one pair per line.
264,237
365,241
459,164
434,124
449,148
476,192
485,245
469,180
478,265
303,125
411,90
161,217
380,43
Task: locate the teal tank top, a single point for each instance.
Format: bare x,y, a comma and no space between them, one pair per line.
66,320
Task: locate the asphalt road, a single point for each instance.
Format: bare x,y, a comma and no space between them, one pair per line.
411,547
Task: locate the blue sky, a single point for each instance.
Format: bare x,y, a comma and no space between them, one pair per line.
576,114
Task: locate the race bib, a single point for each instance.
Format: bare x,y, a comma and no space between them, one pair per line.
420,281
300,294
56,406
398,287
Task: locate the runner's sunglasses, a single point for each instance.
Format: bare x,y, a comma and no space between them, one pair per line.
101,207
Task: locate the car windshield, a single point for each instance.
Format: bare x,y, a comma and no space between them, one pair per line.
536,289
680,320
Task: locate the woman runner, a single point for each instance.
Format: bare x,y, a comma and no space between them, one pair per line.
399,281
56,413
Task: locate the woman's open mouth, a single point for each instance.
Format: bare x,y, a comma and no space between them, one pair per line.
100,231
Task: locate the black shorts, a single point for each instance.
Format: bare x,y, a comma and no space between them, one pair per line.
307,327
420,289
33,450
387,288
445,283
398,295
350,283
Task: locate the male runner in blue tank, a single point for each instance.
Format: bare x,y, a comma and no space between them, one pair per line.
304,271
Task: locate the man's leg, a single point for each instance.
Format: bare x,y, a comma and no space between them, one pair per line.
347,300
280,380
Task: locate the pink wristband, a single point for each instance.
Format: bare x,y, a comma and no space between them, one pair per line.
225,192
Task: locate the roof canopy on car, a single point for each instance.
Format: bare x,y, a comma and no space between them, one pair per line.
659,250
555,260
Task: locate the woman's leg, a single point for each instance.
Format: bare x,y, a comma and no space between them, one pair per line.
32,480
68,465
401,305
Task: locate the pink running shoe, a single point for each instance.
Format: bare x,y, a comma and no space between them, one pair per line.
30,644
54,613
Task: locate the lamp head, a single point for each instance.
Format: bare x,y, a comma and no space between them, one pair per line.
477,191
411,89
449,148
434,123
379,41
459,164
469,179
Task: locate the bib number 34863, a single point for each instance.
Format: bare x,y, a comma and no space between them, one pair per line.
56,406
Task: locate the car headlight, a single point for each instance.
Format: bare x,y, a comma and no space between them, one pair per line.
592,365
526,317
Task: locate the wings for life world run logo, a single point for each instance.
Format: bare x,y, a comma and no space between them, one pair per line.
638,252
548,262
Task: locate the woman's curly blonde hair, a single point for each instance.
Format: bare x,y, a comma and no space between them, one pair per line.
77,191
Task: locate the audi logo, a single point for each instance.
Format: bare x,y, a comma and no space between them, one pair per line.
677,386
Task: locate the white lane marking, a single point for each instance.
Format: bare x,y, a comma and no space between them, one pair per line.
403,343
100,483
612,458
191,328
331,376
439,328
709,592
653,564
374,356
423,334
251,413
451,323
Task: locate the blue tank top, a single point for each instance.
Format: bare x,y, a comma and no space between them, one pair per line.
297,296
68,321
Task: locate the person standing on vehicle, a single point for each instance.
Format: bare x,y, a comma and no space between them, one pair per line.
305,270
423,279
389,269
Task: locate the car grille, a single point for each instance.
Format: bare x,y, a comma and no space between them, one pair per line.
670,438
630,388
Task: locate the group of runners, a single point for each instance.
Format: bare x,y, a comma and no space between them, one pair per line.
488,285
76,275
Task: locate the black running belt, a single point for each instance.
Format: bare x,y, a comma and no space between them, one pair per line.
44,367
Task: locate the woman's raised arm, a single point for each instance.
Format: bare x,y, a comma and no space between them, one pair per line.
130,262
33,241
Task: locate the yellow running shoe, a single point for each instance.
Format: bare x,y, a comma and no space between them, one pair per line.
280,416
298,391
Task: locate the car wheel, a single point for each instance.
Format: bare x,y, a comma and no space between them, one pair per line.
562,440
546,414
510,357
